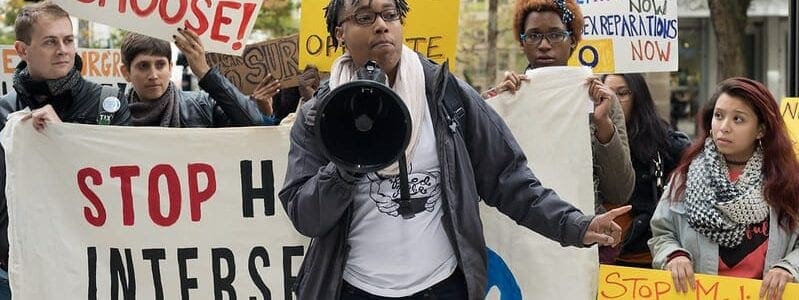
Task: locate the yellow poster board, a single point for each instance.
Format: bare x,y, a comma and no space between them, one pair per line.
634,283
431,28
596,54
790,113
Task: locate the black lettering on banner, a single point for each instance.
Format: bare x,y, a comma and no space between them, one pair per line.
266,192
223,283
155,256
91,255
118,272
594,54
259,252
290,280
186,283
313,44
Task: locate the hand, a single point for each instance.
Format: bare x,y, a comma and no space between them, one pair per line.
682,272
189,43
263,93
42,116
511,83
603,230
309,82
602,96
774,283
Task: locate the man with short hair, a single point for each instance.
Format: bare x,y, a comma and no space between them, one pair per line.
48,81
156,101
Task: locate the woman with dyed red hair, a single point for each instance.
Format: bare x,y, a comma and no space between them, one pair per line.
731,205
548,32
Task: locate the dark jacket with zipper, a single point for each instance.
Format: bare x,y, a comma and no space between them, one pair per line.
318,199
220,104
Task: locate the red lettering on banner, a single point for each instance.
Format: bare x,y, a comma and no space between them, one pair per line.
220,18
105,67
154,195
197,197
134,5
249,9
202,21
97,179
182,5
125,173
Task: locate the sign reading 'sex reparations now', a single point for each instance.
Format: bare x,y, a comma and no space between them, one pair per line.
148,213
628,36
223,25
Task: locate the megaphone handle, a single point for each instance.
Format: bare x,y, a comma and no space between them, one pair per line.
405,194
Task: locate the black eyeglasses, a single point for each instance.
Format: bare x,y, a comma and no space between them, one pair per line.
368,17
535,38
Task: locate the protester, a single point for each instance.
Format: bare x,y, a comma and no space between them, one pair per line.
286,102
48,81
731,205
655,149
156,101
362,247
548,32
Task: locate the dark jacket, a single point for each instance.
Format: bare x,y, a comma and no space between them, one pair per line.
648,190
84,110
220,104
318,200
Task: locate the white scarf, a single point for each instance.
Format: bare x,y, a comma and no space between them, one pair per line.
409,86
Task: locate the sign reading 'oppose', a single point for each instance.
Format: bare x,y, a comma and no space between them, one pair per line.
431,28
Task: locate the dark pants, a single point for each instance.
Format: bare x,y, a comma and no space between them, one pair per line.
454,287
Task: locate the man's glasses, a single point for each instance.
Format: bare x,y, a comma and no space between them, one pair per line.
368,17
535,38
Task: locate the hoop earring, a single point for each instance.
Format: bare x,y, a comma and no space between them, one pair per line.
760,143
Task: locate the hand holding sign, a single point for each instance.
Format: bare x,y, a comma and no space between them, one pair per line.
603,230
268,88
189,43
602,96
774,283
682,272
42,116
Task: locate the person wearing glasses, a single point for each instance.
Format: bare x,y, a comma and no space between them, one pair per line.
655,150
362,248
548,32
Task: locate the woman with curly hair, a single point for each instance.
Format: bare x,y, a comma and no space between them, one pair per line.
548,32
731,205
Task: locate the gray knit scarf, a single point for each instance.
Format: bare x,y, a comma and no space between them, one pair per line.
52,91
717,208
164,111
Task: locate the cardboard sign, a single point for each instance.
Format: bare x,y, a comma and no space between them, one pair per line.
99,65
628,36
277,57
790,114
222,25
431,28
634,283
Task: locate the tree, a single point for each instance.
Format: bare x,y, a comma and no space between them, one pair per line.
729,24
278,18
491,58
8,15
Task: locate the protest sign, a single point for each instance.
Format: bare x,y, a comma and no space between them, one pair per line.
431,28
277,57
99,65
790,114
222,25
628,36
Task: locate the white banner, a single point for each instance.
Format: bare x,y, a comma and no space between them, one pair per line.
548,117
223,25
167,213
99,212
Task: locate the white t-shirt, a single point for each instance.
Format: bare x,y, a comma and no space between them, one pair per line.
392,256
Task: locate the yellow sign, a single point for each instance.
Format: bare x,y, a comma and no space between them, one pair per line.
597,54
431,28
634,283
790,113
